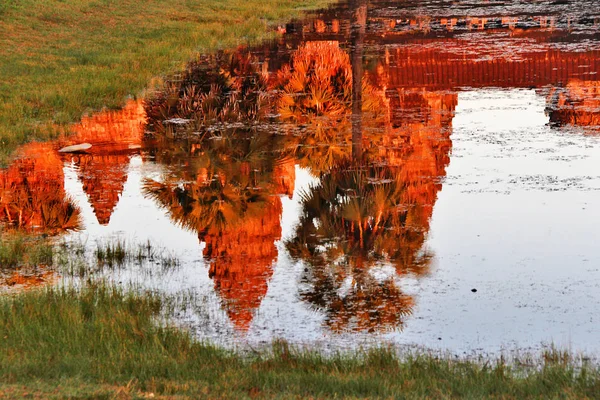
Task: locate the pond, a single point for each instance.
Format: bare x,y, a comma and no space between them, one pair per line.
421,173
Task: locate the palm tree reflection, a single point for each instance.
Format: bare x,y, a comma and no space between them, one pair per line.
358,218
223,88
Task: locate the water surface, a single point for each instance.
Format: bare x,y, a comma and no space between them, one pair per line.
420,173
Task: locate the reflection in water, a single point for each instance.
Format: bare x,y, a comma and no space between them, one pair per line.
110,131
114,137
357,218
227,190
577,104
371,121
363,97
359,27
32,193
367,210
223,88
103,177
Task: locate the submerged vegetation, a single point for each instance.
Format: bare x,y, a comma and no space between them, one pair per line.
28,261
59,60
118,252
109,342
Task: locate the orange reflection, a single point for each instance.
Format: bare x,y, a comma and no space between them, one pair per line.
110,131
368,212
317,83
103,178
19,280
32,187
577,104
242,260
114,136
362,214
226,87
32,194
227,190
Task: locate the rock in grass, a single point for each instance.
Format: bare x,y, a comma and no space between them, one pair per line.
75,148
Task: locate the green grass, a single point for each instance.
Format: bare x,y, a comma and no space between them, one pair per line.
62,59
118,252
21,251
101,342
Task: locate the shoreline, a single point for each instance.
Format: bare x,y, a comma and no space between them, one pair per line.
136,354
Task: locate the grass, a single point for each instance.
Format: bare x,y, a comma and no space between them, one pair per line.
118,252
19,251
62,59
101,342
78,261
25,261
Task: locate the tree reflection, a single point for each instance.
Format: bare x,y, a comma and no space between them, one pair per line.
315,104
370,210
218,182
362,227
358,218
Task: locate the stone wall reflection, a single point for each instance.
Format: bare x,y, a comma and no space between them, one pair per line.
576,104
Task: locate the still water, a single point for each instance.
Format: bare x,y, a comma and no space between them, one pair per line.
417,173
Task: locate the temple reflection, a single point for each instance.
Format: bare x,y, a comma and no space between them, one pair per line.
103,178
371,208
102,169
33,194
227,188
576,104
